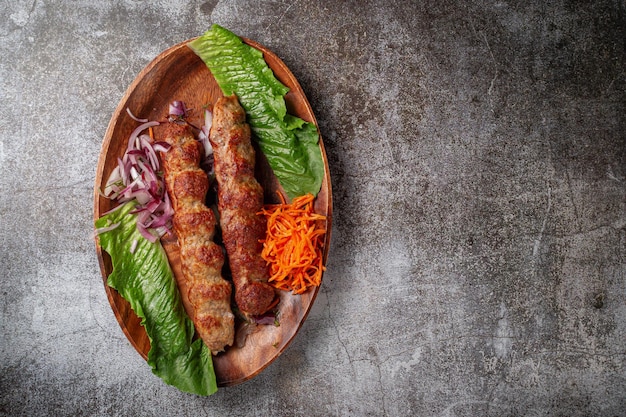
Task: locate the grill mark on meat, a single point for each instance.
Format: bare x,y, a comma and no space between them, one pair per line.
192,184
194,225
240,198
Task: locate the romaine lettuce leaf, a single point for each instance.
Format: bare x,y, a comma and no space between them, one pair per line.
289,143
144,278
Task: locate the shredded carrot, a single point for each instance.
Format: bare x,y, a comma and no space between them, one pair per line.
294,244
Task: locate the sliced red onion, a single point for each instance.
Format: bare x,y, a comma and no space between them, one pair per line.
143,216
161,146
135,178
111,188
154,205
168,209
146,171
149,151
159,222
101,230
132,116
208,119
137,131
204,140
146,233
116,208
124,169
133,246
142,196
177,108
123,194
203,136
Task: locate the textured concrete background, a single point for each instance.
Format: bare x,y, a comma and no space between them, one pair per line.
478,158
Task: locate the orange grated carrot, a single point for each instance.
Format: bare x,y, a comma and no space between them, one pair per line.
293,245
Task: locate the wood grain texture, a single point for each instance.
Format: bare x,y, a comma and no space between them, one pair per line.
178,74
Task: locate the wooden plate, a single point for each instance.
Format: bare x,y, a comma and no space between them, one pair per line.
178,74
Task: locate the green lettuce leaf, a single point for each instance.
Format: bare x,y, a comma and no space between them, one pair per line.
289,143
144,278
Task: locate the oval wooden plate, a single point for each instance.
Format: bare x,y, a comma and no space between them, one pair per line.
178,74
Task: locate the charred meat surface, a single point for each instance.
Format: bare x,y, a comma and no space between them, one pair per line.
194,225
240,198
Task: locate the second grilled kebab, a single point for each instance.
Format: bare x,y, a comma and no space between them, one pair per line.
240,198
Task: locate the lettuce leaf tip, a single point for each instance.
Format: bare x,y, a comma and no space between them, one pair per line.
289,143
144,279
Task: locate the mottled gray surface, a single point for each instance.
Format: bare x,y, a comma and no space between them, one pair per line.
478,158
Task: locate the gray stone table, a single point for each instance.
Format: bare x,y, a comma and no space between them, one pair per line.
478,159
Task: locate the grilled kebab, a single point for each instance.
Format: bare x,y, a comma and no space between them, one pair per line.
240,199
194,224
